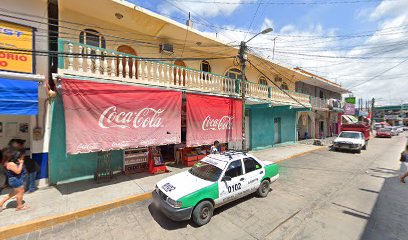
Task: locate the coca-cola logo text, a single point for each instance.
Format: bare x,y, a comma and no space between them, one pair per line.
145,118
226,122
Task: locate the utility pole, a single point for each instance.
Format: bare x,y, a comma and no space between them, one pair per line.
243,57
372,112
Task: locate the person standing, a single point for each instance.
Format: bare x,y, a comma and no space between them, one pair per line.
16,173
31,166
214,148
404,158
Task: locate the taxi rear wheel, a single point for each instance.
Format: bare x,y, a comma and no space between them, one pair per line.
202,213
263,189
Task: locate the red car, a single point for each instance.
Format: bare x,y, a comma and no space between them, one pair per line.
384,132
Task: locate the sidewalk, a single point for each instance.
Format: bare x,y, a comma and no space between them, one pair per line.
71,197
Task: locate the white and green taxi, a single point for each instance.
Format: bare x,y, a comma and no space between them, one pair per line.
215,180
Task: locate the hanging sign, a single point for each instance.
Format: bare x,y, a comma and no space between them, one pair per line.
15,36
212,118
104,116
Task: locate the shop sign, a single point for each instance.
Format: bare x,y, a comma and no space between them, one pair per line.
349,109
103,116
15,36
351,100
212,118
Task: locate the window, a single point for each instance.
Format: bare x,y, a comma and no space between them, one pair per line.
284,86
262,81
321,94
206,171
355,135
251,165
205,66
93,38
234,73
234,169
181,80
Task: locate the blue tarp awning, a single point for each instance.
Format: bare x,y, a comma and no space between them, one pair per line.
18,97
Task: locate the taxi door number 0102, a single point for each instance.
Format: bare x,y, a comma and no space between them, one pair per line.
234,187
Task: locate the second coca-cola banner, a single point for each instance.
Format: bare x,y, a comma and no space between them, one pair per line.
212,118
104,116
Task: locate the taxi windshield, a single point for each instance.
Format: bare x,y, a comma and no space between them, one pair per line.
206,171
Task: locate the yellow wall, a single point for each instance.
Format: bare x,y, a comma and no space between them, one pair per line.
23,9
109,29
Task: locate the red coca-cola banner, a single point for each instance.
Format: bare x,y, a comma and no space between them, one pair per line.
212,118
104,116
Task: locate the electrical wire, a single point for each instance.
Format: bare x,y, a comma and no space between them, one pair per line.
380,74
67,54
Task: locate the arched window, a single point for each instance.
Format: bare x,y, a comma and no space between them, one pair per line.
181,80
234,73
127,50
284,86
205,66
263,81
93,38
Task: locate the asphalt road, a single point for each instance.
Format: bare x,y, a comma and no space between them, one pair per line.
321,195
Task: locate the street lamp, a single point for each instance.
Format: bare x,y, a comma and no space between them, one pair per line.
244,58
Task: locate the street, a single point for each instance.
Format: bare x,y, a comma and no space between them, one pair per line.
321,195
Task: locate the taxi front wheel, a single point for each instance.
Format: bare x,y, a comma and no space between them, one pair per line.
202,213
263,189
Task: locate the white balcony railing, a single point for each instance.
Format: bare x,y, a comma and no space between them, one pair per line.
283,97
319,103
85,60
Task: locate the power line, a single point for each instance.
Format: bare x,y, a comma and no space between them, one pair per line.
276,85
379,75
67,54
253,18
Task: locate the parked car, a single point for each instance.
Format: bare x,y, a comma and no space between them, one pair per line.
384,132
350,140
394,131
405,128
214,181
399,129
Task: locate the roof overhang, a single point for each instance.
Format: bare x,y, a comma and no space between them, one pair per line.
326,85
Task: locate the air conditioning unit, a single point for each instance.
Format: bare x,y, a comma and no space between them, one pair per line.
166,48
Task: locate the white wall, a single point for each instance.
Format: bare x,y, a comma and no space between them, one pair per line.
23,9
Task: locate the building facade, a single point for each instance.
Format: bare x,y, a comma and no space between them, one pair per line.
24,105
121,53
395,115
326,99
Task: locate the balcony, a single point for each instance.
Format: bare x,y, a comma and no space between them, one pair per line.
319,103
89,61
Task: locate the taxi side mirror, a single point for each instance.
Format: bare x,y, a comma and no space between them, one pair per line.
226,178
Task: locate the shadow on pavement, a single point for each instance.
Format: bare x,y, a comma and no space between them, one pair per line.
84,185
169,224
165,222
388,220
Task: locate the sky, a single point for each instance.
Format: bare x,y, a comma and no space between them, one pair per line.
361,44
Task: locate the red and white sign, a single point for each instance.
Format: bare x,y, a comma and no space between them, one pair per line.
104,116
213,118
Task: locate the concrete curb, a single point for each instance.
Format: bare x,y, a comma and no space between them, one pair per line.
301,154
34,225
